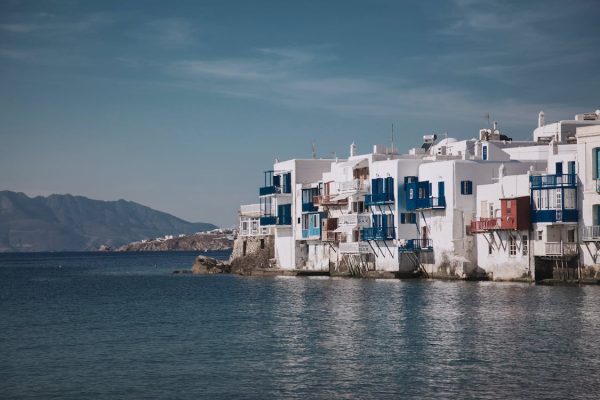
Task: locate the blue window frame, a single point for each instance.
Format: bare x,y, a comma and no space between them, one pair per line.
466,187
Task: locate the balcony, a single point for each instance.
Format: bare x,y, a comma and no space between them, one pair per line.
268,220
591,233
379,199
378,233
428,203
250,210
311,233
485,225
415,245
554,215
331,200
354,221
330,236
552,181
356,185
309,207
354,248
558,249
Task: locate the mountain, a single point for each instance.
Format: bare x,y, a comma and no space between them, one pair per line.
74,223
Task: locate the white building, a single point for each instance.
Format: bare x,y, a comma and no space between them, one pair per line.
482,207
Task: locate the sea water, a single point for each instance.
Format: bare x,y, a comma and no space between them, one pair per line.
121,326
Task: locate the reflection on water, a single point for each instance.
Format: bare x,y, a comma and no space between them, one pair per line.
123,327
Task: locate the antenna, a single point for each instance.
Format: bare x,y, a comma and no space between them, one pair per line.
314,150
487,116
392,138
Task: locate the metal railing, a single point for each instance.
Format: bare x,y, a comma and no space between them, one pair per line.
378,233
379,198
485,224
591,233
431,202
407,245
329,199
548,181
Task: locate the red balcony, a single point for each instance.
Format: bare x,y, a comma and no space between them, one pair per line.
485,225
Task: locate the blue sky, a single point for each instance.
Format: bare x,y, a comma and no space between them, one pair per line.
182,105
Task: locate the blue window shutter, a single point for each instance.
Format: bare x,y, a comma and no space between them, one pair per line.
441,189
485,151
462,187
374,186
559,170
470,187
597,162
402,218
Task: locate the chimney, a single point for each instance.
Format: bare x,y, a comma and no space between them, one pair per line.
541,121
352,149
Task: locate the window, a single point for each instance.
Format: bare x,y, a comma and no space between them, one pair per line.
262,243
485,154
411,194
421,193
524,244
596,160
358,206
559,168
540,234
408,218
466,187
571,167
490,249
569,199
571,236
512,246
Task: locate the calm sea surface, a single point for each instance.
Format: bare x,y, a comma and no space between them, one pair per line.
120,326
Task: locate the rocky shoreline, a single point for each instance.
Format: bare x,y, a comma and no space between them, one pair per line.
194,242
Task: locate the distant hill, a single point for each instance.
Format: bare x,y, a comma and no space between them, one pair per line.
74,223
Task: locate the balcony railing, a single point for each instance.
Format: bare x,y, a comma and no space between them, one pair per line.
378,233
311,233
330,200
485,224
330,236
560,249
268,220
415,245
250,210
431,203
356,185
309,207
354,220
379,198
354,248
555,215
284,220
591,233
550,181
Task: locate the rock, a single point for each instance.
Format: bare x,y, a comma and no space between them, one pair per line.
206,265
104,247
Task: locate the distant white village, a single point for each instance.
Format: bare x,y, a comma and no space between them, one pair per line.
489,207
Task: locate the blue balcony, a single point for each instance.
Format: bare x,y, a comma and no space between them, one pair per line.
552,215
552,181
284,220
268,220
379,199
309,207
438,203
267,190
378,233
311,233
415,245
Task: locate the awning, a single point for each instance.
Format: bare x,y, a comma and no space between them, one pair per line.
341,196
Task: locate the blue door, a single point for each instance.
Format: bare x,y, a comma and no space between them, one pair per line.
441,190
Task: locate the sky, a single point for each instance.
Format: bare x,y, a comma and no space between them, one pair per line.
180,105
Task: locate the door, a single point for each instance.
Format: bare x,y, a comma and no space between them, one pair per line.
559,170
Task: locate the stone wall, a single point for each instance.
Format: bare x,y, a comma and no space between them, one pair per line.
251,252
